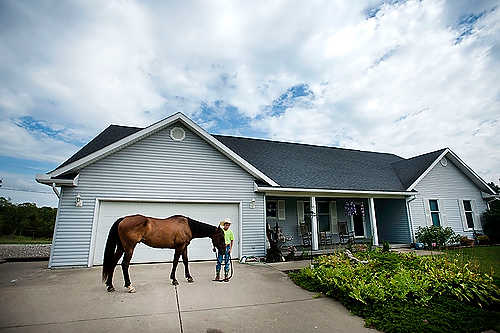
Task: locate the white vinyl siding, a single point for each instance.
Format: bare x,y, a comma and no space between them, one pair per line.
449,186
160,168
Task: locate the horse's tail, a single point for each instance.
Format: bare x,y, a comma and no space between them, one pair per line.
109,253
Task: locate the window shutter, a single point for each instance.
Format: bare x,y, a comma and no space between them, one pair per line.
428,219
462,214
333,216
281,209
300,212
442,212
477,217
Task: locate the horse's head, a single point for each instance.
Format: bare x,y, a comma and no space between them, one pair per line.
218,240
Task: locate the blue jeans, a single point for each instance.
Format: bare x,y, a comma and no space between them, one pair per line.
226,260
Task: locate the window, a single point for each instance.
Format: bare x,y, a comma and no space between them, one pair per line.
433,205
469,214
275,209
324,216
272,209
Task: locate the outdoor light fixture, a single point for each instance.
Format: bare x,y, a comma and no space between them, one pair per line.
252,203
78,202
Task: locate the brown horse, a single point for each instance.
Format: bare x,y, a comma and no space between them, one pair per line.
174,232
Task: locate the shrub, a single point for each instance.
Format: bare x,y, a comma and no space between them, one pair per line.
483,239
385,246
392,277
491,224
437,235
465,241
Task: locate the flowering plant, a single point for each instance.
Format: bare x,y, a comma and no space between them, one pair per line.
350,208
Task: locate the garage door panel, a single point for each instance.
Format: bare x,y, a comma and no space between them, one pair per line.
199,249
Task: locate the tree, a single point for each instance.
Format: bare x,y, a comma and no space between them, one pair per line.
26,219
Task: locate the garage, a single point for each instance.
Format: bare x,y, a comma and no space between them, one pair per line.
107,212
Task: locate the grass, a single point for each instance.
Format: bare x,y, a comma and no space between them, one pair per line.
488,258
13,239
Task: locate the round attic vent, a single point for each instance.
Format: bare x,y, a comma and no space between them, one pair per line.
444,162
177,134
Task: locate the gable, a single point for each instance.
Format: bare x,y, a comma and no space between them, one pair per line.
92,155
159,162
447,182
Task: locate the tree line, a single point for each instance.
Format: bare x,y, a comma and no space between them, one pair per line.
26,219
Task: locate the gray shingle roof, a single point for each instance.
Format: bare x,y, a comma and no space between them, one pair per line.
301,165
307,166
410,169
110,135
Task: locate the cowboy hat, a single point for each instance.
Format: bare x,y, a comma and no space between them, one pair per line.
226,220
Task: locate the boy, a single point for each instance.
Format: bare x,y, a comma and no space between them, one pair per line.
229,238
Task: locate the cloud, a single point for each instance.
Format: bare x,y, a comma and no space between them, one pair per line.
405,77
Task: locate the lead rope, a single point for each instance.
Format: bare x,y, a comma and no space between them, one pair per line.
178,309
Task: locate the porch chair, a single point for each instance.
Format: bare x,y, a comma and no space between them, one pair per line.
326,238
345,235
305,234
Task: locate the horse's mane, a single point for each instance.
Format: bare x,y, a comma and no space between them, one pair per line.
201,229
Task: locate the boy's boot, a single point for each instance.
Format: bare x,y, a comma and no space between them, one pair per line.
217,276
226,279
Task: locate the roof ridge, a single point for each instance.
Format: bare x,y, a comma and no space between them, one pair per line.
305,144
126,126
421,155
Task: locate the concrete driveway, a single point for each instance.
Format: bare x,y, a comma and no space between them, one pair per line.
259,298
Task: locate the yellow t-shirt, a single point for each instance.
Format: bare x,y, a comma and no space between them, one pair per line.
228,236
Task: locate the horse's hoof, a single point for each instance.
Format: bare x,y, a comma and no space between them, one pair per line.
131,289
190,279
175,282
110,289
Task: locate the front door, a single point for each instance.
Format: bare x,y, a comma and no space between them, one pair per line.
358,221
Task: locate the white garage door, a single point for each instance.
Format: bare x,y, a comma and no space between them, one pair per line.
198,249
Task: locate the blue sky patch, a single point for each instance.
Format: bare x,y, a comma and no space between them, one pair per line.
465,26
24,166
371,12
289,98
41,127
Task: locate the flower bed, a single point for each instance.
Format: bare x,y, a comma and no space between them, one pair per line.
405,280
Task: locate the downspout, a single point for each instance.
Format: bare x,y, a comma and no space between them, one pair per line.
408,213
55,190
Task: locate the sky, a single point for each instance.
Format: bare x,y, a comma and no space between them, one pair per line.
402,77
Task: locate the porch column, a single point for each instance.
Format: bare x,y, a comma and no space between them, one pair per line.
373,220
314,225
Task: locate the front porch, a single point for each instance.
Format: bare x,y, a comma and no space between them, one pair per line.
322,224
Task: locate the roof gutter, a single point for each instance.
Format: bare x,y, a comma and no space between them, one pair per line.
47,180
297,191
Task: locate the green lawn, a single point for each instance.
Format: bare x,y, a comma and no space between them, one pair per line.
12,239
488,258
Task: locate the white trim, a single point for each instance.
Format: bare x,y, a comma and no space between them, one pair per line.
97,208
55,230
454,156
157,127
46,180
278,209
373,220
410,218
268,189
240,230
265,224
314,225
438,202
436,161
